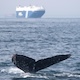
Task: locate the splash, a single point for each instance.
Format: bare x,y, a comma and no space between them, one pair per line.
19,73
12,70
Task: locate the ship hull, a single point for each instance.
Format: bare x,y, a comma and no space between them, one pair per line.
30,14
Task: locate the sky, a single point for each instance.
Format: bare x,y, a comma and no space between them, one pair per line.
53,8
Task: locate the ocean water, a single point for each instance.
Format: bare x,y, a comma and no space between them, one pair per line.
39,39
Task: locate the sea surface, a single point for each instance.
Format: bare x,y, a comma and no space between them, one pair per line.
39,39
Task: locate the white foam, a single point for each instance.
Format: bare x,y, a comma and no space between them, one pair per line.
74,75
3,70
25,75
67,74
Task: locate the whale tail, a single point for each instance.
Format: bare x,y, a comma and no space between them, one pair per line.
28,64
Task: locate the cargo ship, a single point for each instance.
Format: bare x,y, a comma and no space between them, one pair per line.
29,12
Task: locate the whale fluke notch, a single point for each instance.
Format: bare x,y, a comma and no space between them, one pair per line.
28,64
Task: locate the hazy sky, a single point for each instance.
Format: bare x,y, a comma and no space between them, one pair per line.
54,8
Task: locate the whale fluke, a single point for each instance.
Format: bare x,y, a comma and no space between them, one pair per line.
28,64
